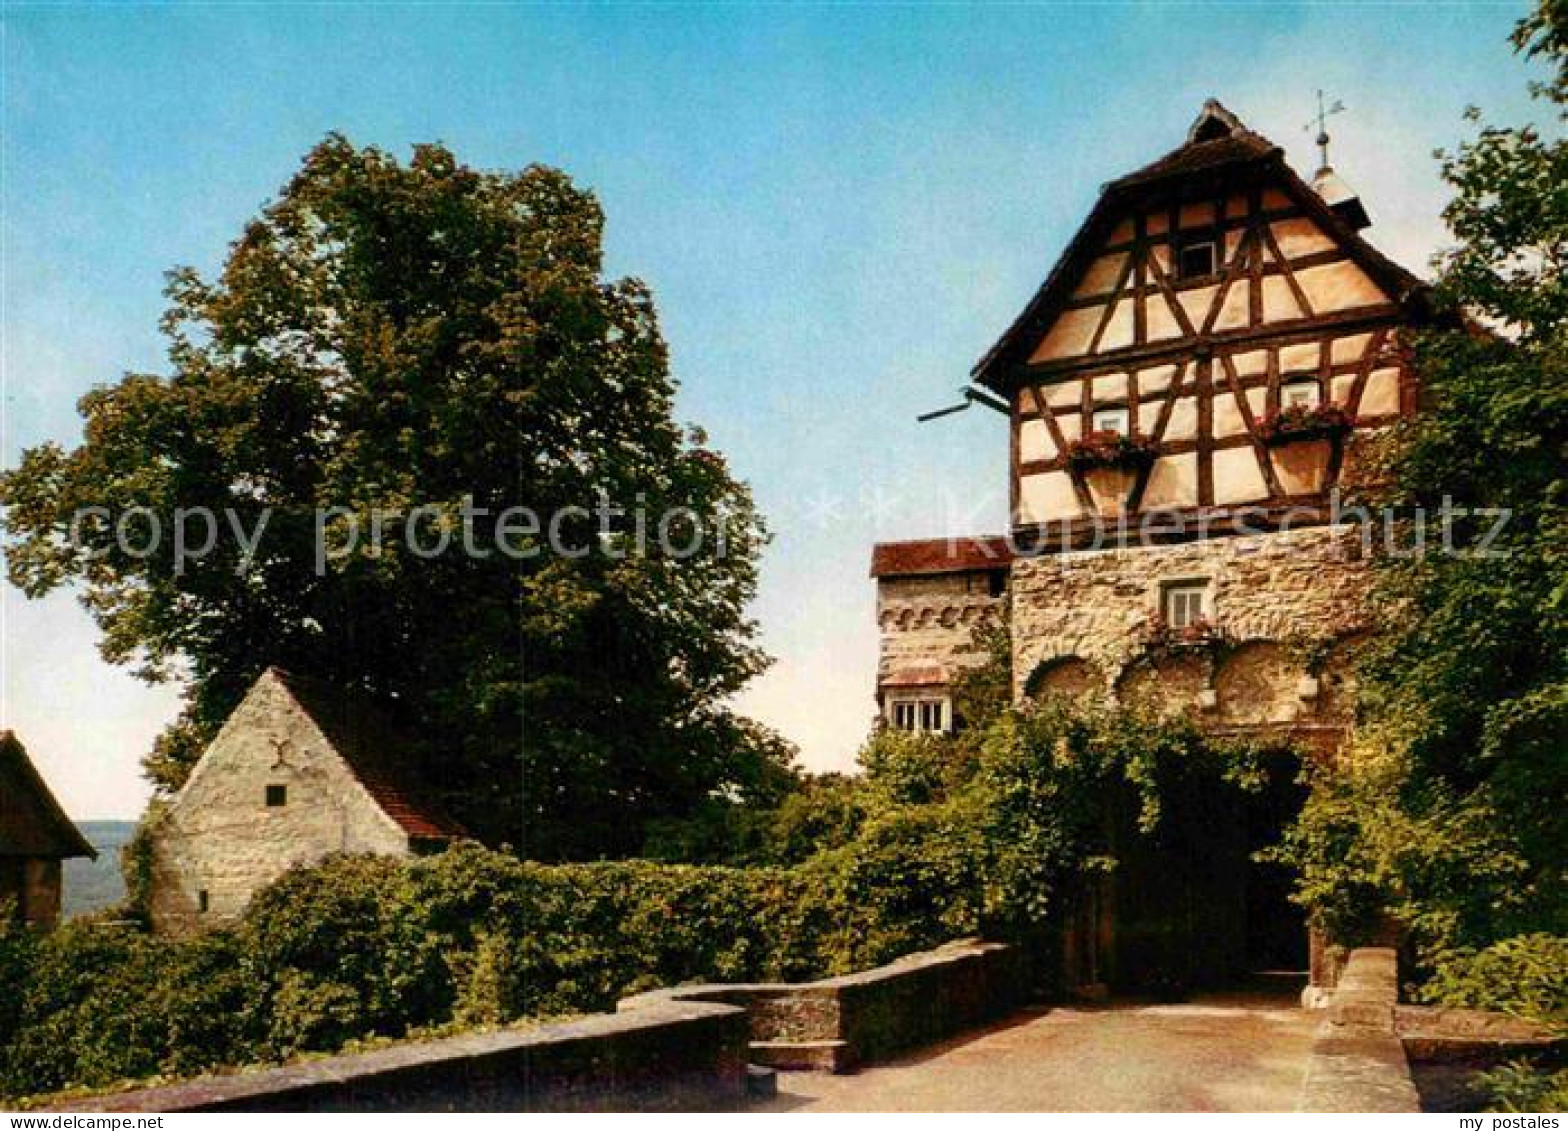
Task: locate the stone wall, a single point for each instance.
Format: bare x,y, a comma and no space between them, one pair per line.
1358,1061
1080,614
928,623
669,1056
220,837
839,1023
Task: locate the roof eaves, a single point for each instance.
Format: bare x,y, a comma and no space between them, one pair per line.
66,828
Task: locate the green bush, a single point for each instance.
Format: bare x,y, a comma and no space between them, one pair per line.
1526,975
919,851
341,952
1521,1086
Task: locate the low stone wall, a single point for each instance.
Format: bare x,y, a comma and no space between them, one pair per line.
1358,1060
839,1023
670,1056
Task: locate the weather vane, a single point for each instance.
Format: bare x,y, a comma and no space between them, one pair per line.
1320,120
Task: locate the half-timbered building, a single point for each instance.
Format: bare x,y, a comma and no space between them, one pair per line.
1188,392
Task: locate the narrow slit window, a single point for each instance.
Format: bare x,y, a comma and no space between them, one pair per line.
203,901
277,796
1195,260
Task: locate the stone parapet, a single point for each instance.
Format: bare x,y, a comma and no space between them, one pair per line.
670,1056
839,1023
1358,1061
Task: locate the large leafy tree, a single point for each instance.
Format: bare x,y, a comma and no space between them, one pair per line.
1453,816
386,336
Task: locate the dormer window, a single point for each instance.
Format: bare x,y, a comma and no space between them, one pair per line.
1300,392
1117,420
1195,260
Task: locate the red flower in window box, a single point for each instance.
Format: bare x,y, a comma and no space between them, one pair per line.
1157,634
1110,449
1304,422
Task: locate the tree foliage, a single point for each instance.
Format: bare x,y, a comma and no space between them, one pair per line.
1450,815
387,336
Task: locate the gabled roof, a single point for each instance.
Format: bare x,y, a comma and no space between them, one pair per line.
379,754
1217,142
941,555
31,820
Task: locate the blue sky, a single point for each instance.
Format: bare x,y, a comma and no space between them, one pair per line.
838,207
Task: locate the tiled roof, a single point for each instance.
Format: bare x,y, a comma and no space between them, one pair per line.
31,820
1195,156
941,555
1218,139
379,753
924,673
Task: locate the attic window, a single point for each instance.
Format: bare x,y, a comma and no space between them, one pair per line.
277,796
1300,392
920,716
1112,420
1210,128
1195,260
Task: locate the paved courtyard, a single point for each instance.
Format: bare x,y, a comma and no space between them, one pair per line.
1243,1051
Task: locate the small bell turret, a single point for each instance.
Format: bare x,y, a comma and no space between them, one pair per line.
1329,185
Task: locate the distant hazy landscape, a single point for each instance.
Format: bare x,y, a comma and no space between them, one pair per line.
91,885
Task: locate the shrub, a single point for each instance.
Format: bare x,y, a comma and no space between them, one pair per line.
1521,1086
826,813
928,846
340,952
91,1010
1526,975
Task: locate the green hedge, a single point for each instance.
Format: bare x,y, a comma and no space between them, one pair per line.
363,947
934,842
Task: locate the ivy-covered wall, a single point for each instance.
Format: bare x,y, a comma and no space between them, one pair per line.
1285,609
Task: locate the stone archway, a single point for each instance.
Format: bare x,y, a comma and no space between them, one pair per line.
1070,677
1258,683
1169,683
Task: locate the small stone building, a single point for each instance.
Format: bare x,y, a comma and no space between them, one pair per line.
1187,393
35,837
302,769
931,598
